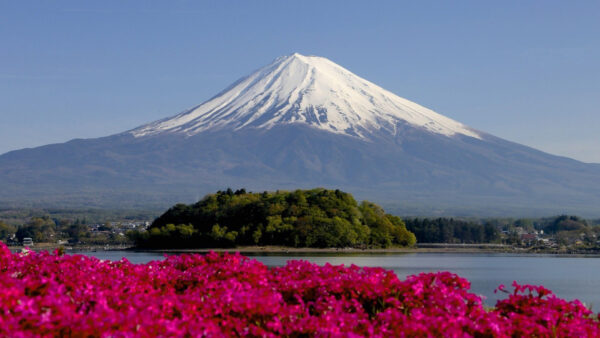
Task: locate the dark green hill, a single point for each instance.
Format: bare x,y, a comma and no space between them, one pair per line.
302,218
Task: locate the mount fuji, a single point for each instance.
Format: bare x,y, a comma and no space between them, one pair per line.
306,90
299,122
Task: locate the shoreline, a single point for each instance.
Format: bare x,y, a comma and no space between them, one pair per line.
286,250
275,250
352,251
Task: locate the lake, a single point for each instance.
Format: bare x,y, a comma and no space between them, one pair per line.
569,277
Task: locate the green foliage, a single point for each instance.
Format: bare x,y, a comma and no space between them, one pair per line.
6,231
180,235
302,218
564,230
40,229
76,232
449,230
566,223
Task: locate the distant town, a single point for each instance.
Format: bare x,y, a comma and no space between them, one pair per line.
38,233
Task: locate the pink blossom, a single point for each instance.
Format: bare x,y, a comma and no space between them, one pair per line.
44,294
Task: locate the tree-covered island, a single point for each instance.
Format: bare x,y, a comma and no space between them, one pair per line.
315,218
303,219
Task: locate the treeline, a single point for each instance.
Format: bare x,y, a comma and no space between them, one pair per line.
450,230
563,229
302,218
560,223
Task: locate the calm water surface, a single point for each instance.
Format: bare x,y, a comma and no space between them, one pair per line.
569,277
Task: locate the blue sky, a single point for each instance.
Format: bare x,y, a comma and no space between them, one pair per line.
527,71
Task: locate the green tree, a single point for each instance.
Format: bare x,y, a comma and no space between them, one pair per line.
316,217
6,231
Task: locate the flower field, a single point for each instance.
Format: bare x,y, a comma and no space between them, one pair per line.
44,294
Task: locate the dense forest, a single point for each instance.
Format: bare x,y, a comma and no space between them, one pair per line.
563,230
302,218
450,230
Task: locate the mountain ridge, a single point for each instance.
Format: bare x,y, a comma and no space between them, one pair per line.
404,165
305,89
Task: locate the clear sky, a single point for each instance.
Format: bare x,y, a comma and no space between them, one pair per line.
527,71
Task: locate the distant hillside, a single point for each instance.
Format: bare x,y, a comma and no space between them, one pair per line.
302,218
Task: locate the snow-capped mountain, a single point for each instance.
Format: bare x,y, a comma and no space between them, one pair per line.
300,122
310,90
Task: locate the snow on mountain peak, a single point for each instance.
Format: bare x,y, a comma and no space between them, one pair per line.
311,90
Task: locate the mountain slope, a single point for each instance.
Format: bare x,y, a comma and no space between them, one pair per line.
309,90
298,123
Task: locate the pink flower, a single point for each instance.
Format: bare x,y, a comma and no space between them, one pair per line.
44,294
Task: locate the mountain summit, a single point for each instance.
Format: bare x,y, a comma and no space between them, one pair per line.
301,122
310,90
